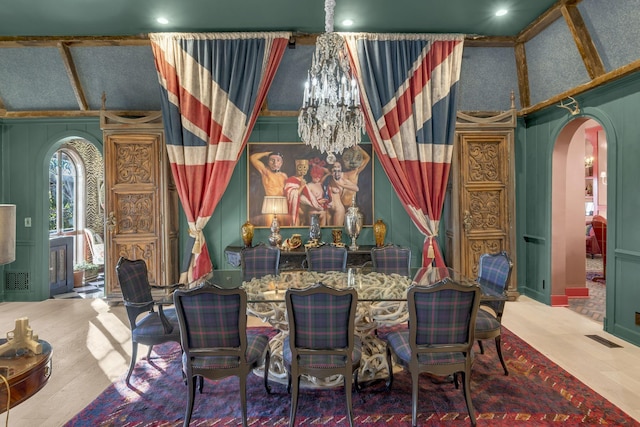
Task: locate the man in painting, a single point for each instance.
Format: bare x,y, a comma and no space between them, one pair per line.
272,178
336,185
313,199
293,187
355,159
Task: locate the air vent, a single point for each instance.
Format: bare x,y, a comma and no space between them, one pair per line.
17,281
604,341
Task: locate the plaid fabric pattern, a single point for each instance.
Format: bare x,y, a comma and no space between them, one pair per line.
259,261
322,361
321,320
399,341
150,327
391,259
327,258
212,320
486,322
256,344
493,272
443,316
134,281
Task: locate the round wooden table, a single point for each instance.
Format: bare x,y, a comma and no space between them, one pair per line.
25,372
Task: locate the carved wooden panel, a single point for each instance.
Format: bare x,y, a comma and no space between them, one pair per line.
135,163
139,250
486,210
136,213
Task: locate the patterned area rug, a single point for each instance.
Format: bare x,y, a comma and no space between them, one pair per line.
536,393
594,306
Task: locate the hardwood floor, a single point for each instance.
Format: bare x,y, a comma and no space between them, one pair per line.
91,348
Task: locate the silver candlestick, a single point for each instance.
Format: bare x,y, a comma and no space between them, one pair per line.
353,223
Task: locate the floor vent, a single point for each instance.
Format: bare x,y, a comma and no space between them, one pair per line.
604,341
17,281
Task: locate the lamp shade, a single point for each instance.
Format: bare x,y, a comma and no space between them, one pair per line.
7,234
276,205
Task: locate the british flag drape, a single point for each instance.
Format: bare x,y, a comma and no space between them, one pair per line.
408,86
212,87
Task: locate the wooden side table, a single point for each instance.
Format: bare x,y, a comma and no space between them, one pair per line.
26,374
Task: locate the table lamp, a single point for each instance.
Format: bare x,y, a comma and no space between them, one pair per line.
7,234
275,205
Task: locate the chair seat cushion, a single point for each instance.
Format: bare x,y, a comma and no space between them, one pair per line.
399,342
256,346
486,322
322,361
149,329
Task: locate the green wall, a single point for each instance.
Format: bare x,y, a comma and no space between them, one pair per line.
615,107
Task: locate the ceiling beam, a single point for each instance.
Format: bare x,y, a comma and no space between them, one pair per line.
582,39
523,75
72,72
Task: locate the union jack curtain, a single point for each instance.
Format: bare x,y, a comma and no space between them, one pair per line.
408,87
212,86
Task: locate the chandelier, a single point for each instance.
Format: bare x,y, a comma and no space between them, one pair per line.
331,117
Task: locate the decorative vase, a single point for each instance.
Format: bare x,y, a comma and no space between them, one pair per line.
379,231
247,233
337,235
353,223
314,228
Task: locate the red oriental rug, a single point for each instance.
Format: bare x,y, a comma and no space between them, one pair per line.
536,393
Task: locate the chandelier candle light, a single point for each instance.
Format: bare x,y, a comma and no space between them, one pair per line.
331,118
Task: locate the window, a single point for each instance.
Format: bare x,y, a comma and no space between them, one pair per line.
63,192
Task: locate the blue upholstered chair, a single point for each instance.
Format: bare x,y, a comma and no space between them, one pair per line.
321,339
439,337
391,259
326,258
259,261
155,327
215,343
494,271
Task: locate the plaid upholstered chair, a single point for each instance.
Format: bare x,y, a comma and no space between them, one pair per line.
439,337
494,271
391,259
321,339
155,327
326,258
215,342
259,261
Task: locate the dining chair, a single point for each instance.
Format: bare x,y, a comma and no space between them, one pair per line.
258,261
155,327
494,271
321,340
215,343
439,337
391,259
326,258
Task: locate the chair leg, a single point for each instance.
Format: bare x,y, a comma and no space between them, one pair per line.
481,346
467,396
191,386
134,354
499,349
415,376
390,369
149,352
200,379
347,390
294,399
267,361
243,398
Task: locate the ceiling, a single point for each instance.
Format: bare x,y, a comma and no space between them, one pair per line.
59,57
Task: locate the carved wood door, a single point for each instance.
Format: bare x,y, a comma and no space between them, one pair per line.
140,204
482,214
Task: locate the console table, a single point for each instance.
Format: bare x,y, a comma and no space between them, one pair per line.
292,259
26,374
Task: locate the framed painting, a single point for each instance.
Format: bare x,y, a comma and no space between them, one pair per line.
295,181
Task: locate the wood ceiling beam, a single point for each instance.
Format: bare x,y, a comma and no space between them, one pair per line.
582,39
88,41
72,72
523,75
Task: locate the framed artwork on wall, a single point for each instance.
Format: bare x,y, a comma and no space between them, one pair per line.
295,181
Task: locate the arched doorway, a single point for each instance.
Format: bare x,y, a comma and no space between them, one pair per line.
579,192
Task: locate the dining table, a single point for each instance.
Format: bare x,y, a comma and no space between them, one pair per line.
382,303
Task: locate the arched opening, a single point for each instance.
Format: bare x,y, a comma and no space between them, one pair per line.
579,193
76,215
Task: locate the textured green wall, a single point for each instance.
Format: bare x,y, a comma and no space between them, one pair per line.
615,107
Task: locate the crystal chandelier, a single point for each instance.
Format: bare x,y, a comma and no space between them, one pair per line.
331,117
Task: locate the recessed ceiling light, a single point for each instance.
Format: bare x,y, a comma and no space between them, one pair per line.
347,22
501,12
162,20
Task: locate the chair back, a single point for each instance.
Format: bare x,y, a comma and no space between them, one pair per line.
442,318
134,283
326,258
259,261
494,272
599,224
321,317
96,246
213,323
391,259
